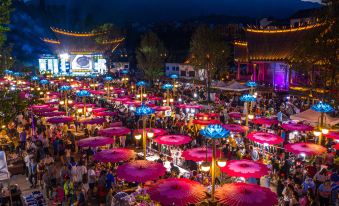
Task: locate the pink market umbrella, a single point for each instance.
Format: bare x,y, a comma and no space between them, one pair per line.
156,131
265,138
235,115
205,122
97,92
243,194
118,91
190,106
93,121
161,108
235,127
132,102
155,98
53,103
245,168
141,171
39,106
81,105
105,114
173,139
114,131
199,154
296,127
61,119
336,147
114,155
99,109
332,135
121,99
305,148
51,114
46,109
177,191
264,120
95,141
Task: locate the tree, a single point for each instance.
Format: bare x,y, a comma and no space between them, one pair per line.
209,51
319,49
5,14
150,56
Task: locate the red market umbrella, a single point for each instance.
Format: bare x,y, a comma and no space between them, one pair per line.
264,120
141,171
199,154
205,122
114,131
296,127
235,115
155,98
61,119
114,155
177,191
336,147
245,168
99,109
235,127
265,138
173,139
242,194
105,113
51,114
332,135
305,148
93,121
95,141
156,131
161,108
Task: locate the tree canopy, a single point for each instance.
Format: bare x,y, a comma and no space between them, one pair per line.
150,56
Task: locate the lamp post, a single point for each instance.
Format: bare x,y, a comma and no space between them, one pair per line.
323,108
65,89
247,98
167,87
141,85
143,111
214,131
252,85
108,79
174,77
83,94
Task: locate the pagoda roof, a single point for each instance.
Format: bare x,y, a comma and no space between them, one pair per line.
80,42
269,44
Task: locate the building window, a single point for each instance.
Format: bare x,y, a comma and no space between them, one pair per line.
183,73
126,66
173,68
167,68
191,73
177,69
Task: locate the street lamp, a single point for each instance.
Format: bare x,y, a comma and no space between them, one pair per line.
323,108
214,131
247,98
167,87
205,166
144,111
141,85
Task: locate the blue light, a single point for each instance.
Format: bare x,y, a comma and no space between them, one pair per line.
17,74
141,84
215,131
35,78
174,76
6,71
65,88
83,93
108,78
44,81
322,107
167,86
92,76
247,98
124,71
144,110
251,84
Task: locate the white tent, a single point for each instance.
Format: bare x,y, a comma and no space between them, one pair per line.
233,86
313,117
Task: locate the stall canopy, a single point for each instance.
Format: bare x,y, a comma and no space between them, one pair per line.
313,117
230,86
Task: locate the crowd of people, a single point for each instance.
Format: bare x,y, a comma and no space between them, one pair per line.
68,175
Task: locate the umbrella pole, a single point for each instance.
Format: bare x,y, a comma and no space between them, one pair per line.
144,135
213,170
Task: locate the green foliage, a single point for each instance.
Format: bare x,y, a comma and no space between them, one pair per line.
5,12
150,56
209,51
10,105
320,47
108,32
6,59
